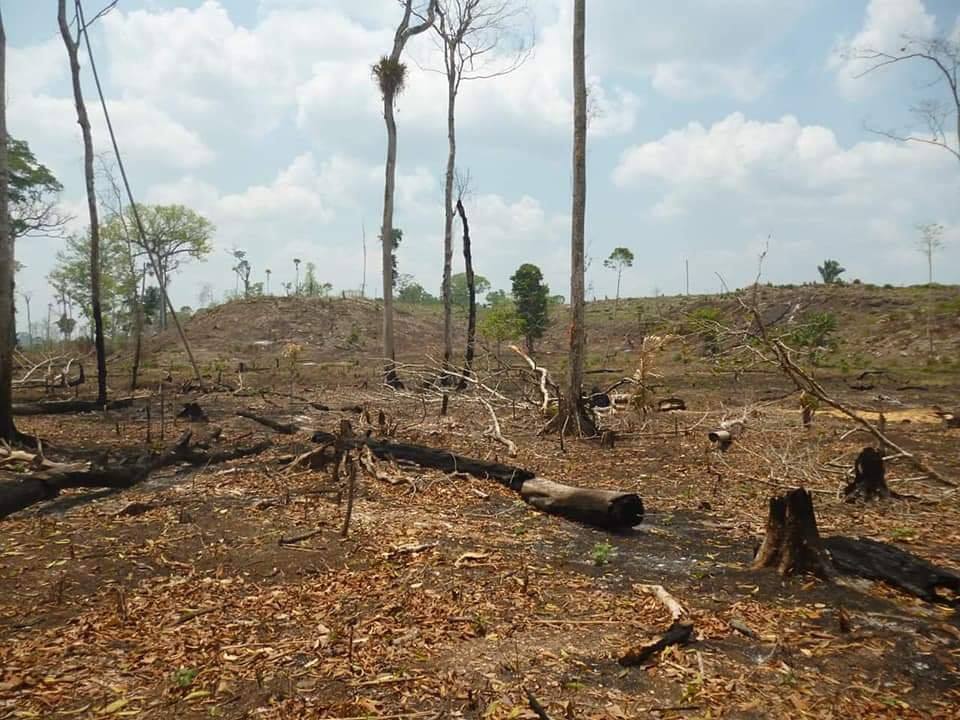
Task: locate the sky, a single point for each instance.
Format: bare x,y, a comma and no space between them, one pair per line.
717,126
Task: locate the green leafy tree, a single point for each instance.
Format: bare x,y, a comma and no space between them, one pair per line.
530,295
498,297
501,322
71,277
619,259
460,293
313,287
174,235
34,191
152,301
831,271
410,291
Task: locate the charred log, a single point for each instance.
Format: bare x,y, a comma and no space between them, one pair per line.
895,567
46,485
61,407
677,634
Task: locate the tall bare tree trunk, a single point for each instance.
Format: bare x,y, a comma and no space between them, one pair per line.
575,409
391,80
84,121
448,220
7,429
386,242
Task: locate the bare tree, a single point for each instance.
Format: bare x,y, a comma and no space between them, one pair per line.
8,430
575,410
930,242
480,39
83,120
940,116
390,75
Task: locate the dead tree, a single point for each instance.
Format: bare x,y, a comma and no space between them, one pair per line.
390,75
940,55
571,410
792,542
472,301
472,34
72,46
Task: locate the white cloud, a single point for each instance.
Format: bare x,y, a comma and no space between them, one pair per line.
885,24
683,80
796,182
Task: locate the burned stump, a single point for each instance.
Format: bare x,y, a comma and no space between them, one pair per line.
869,481
792,542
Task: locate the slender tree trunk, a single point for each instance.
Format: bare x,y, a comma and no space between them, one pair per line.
84,123
7,429
29,324
448,218
575,409
472,295
616,300
386,241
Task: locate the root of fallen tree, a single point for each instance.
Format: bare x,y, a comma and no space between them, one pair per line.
48,483
610,509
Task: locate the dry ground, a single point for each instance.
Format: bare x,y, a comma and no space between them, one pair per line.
450,597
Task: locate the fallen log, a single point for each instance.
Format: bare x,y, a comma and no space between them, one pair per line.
60,407
45,485
610,509
889,564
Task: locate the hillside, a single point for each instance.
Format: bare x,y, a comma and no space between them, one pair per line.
874,327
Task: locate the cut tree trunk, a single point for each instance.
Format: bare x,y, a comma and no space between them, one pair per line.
610,509
29,489
889,564
792,543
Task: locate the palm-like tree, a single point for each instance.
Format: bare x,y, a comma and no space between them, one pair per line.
296,284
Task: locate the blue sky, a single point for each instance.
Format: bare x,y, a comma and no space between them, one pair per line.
716,124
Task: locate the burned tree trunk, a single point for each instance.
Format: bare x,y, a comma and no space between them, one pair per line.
610,509
472,292
60,407
29,489
869,481
792,542
895,567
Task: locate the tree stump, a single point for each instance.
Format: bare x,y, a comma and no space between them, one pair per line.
869,481
792,543
608,439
